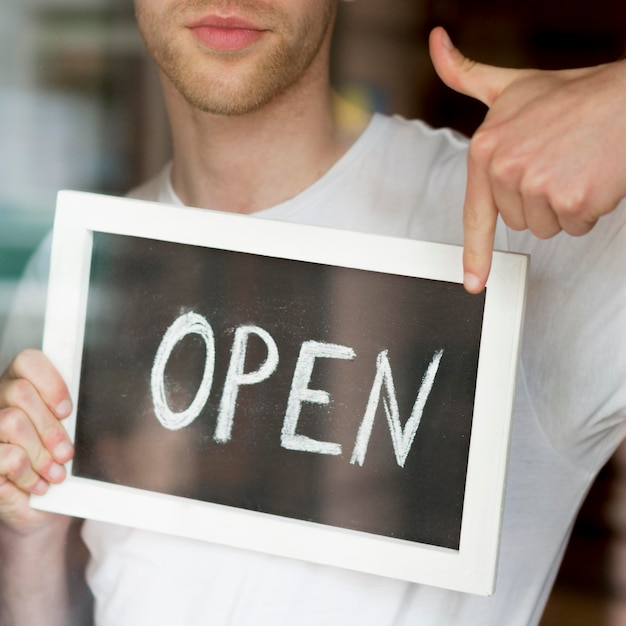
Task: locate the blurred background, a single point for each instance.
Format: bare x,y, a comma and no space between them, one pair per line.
80,108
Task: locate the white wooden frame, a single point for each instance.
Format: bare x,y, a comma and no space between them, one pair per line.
472,568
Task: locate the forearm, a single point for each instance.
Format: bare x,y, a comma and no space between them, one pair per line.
33,576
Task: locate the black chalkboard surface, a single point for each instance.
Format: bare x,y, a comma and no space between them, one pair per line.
312,393
139,287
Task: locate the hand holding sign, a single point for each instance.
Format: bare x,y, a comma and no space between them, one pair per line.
33,444
549,156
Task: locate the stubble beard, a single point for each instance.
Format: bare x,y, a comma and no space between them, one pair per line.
228,83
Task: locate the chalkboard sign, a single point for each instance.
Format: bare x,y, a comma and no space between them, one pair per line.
308,392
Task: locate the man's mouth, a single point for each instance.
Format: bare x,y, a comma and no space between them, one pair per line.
226,34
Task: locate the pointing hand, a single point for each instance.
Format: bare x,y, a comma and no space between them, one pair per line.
549,156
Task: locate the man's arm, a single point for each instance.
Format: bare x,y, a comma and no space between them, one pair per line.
550,155
33,581
33,447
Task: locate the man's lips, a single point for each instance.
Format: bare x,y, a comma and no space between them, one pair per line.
226,34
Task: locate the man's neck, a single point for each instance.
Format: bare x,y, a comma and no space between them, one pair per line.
251,162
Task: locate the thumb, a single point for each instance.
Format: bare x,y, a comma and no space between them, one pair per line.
477,80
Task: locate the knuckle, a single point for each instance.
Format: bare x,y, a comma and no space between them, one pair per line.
15,462
41,461
19,392
483,145
535,184
13,424
25,360
472,218
479,220
52,435
472,256
507,169
468,64
570,204
572,198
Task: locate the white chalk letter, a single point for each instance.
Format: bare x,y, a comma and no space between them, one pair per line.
187,324
402,439
300,393
237,377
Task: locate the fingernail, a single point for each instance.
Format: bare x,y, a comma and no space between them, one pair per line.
63,451
64,408
40,488
447,42
56,471
472,283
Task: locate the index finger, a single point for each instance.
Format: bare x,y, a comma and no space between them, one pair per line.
480,216
34,366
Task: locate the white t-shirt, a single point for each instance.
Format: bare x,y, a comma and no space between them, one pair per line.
404,179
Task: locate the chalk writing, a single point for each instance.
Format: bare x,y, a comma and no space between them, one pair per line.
402,439
300,393
187,324
382,388
236,376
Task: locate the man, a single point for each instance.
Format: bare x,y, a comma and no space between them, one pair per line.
246,85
